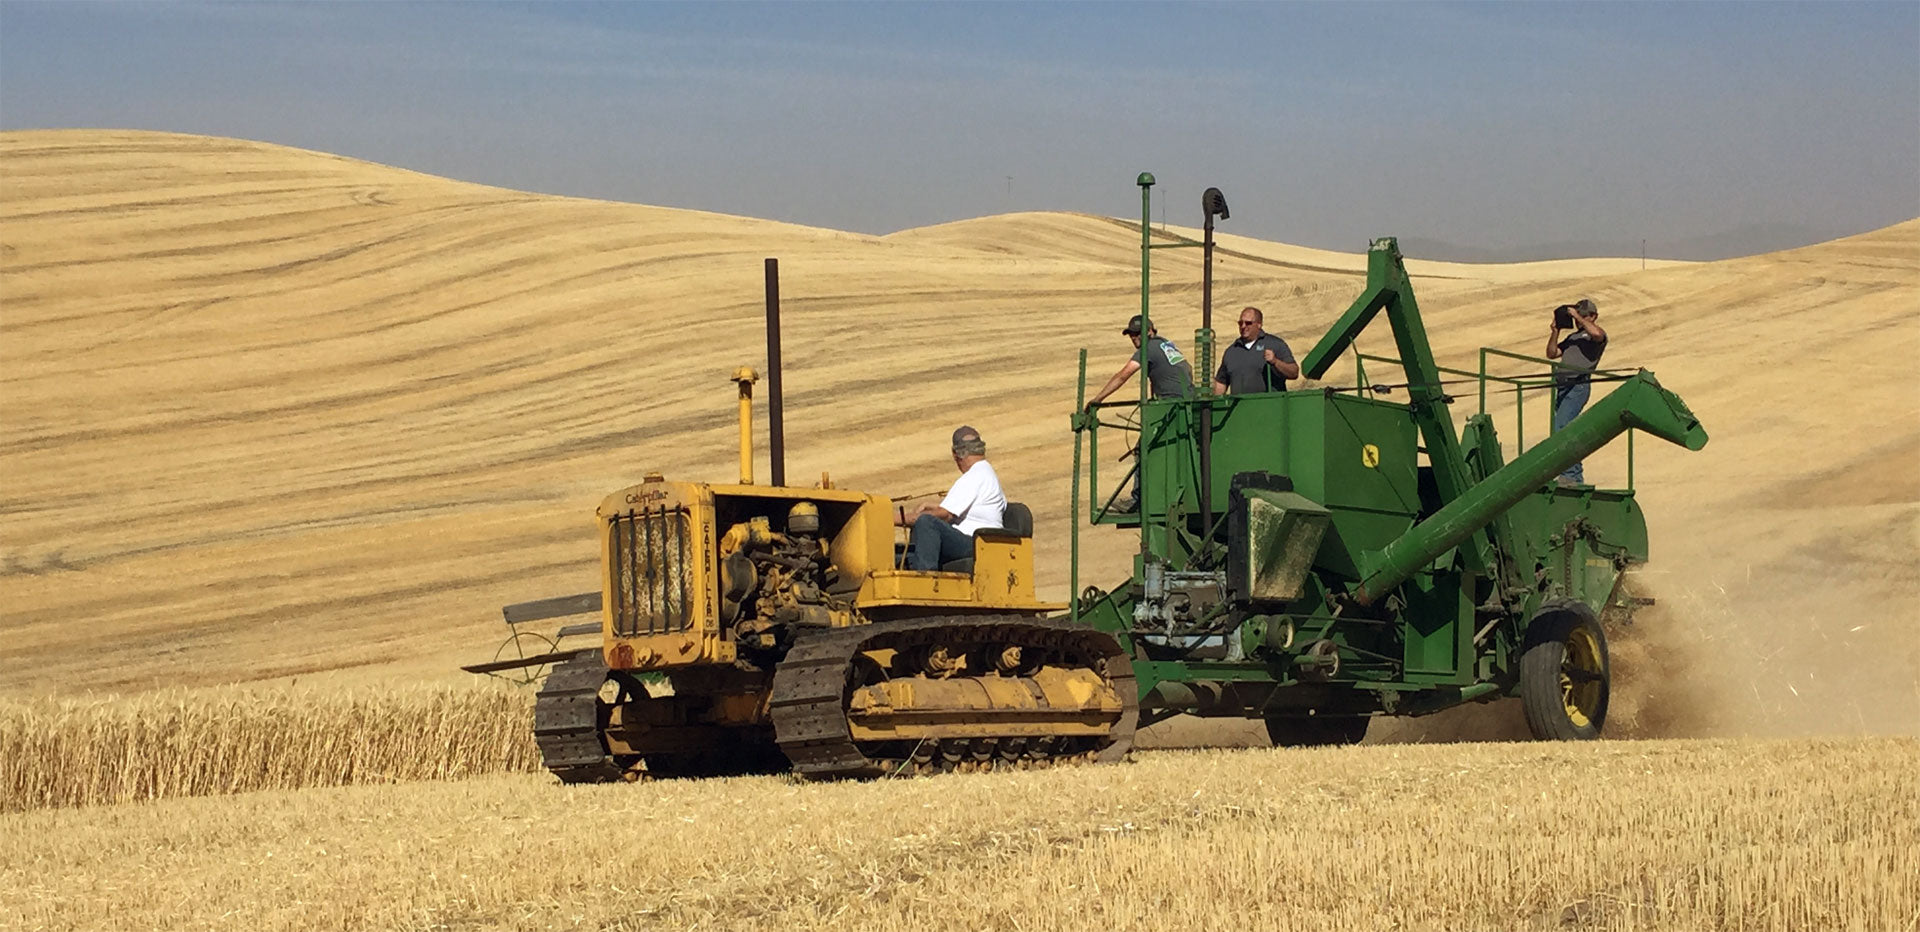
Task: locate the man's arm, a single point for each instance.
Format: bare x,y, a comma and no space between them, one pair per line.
1113,384
904,517
1220,376
1553,341
1592,327
1282,361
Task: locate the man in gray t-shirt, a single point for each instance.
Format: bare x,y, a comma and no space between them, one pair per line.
1577,356
1167,368
1256,362
1168,372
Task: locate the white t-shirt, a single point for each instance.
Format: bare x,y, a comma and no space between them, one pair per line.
976,499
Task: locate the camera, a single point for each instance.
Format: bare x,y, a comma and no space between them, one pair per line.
1563,316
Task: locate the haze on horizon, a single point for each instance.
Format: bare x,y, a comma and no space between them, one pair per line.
1479,132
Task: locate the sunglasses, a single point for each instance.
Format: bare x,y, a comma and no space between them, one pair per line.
1248,323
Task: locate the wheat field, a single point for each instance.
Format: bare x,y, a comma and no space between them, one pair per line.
171,743
1768,836
280,431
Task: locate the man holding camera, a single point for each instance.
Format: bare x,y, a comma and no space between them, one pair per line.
1577,355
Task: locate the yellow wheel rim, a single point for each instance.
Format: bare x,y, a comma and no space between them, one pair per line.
1581,677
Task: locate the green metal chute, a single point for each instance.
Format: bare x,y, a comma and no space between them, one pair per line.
1639,403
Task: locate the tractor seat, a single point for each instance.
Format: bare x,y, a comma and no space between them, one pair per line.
1018,521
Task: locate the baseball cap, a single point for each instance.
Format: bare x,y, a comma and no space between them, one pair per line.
1133,326
964,433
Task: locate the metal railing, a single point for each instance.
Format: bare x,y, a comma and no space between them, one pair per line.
1521,385
1087,430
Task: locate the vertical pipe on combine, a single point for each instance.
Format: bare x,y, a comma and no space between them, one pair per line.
1145,181
1094,511
1073,558
776,424
1483,380
1210,201
1519,418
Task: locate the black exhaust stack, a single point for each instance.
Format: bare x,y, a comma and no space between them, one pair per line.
776,427
1212,204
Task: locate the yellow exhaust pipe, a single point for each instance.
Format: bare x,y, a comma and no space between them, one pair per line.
745,377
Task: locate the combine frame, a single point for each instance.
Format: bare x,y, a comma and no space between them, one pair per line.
1371,560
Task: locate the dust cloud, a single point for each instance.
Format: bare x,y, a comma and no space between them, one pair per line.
1698,662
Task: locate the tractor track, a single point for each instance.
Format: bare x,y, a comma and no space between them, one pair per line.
808,705
568,720
809,710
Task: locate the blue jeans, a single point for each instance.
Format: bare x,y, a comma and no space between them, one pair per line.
1567,402
935,542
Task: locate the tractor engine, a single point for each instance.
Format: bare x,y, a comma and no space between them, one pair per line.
774,582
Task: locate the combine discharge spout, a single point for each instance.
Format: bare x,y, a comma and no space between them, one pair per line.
1639,402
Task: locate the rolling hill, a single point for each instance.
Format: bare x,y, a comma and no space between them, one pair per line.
271,413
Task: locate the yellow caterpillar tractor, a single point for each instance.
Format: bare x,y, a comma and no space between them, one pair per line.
748,628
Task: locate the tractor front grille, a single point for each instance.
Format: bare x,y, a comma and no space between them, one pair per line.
653,572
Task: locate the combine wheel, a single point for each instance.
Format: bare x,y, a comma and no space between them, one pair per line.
1564,675
1316,730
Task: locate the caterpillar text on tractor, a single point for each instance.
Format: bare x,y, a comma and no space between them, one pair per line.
1310,558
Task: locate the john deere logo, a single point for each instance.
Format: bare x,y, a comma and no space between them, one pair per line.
1370,456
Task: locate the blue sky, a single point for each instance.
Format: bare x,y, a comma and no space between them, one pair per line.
1486,125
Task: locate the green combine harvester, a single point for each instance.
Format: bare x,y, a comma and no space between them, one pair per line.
1315,558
